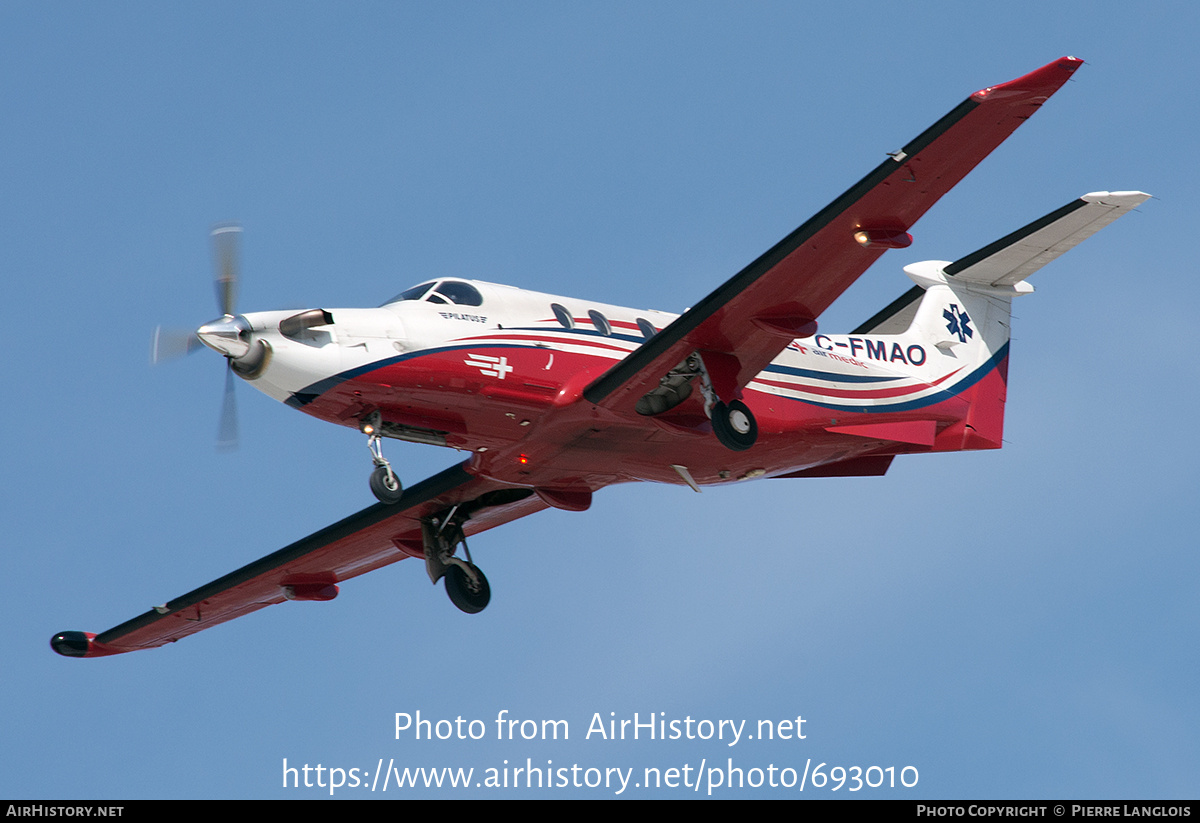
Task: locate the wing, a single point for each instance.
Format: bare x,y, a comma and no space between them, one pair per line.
1015,256
311,568
749,320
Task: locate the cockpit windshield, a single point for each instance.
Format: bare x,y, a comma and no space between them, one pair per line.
445,291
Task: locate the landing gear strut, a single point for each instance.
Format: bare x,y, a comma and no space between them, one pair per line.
385,485
733,423
466,585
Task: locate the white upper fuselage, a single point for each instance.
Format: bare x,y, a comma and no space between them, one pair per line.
360,337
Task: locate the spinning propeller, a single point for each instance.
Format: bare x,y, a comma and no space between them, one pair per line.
228,335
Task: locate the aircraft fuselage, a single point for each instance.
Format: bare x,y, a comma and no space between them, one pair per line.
482,377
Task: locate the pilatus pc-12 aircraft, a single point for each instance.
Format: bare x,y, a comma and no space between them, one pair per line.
555,398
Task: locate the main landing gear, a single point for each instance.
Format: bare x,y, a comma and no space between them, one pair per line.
466,585
385,485
467,588
734,425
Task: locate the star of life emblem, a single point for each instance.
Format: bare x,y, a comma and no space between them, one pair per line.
489,366
958,323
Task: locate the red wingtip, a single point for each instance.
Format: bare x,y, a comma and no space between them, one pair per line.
1041,82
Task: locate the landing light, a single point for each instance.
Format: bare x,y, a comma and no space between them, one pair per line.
887,238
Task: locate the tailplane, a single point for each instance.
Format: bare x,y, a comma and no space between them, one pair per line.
959,313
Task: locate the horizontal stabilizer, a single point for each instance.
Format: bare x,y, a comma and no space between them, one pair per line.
918,432
870,466
1013,258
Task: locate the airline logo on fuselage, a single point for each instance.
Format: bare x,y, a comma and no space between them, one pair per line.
489,366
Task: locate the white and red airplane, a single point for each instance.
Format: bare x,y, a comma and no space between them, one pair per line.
555,398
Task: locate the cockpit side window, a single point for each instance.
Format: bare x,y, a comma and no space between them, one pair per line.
458,292
447,291
415,293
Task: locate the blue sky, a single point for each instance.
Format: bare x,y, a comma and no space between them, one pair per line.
1018,623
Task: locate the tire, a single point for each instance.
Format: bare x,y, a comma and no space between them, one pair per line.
468,598
734,425
386,489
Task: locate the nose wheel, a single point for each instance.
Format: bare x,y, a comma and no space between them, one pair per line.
385,485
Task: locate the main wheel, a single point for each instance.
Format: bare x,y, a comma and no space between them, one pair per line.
469,596
385,485
734,425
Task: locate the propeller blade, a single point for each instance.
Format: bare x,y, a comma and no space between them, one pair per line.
169,344
226,242
227,434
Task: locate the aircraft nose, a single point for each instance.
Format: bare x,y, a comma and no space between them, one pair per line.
226,335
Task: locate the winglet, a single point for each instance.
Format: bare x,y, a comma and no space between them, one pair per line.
1041,82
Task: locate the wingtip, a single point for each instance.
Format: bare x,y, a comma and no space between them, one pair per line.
1041,82
79,644
1123,199
72,644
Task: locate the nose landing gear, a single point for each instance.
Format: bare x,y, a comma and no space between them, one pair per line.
385,485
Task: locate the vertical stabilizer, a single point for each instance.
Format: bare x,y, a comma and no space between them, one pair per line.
960,312
965,328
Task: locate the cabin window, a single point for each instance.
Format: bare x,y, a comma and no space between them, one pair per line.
563,316
600,322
